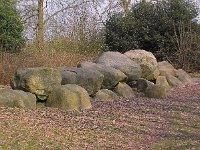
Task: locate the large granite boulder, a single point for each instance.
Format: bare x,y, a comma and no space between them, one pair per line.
69,97
68,77
39,81
147,62
86,78
184,77
112,76
152,90
162,81
143,84
124,90
166,68
156,91
173,81
17,98
121,62
106,95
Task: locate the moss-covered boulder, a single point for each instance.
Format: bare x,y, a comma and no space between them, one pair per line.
88,79
142,85
39,81
162,81
147,62
106,95
112,76
121,62
69,97
173,81
184,77
17,98
124,90
156,91
166,68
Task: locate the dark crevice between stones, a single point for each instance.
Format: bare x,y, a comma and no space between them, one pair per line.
41,102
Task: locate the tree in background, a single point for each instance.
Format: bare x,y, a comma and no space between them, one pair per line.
77,23
40,26
11,27
73,22
37,14
152,26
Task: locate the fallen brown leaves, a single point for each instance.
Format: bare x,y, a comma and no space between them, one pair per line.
136,123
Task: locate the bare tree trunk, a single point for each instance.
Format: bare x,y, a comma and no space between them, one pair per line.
125,5
40,26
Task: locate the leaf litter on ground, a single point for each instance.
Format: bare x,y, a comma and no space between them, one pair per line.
137,123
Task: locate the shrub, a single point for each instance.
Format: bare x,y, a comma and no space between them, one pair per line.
11,27
151,26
